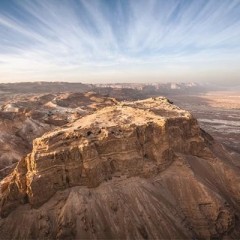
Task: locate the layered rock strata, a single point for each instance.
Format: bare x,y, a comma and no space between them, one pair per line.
149,155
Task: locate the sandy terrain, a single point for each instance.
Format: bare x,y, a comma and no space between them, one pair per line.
226,100
218,113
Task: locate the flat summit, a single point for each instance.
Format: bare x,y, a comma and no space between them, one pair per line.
139,170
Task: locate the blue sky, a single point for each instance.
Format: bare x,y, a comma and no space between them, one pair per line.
120,40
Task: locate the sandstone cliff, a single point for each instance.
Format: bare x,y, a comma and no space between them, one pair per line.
26,117
139,169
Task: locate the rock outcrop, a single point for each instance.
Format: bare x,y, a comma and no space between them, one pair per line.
26,117
139,169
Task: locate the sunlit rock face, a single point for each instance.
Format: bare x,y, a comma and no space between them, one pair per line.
25,117
139,169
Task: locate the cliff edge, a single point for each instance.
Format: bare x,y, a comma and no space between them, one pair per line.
140,169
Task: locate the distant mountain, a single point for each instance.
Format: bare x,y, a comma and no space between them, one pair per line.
44,87
123,90
149,89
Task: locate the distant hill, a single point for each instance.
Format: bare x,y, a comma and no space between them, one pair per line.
44,87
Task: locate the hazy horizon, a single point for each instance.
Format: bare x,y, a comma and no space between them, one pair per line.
102,41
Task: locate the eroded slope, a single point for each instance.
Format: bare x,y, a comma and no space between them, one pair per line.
26,117
135,170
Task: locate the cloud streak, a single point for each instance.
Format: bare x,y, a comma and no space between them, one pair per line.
101,40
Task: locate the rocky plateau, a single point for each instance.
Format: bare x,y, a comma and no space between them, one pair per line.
24,117
127,170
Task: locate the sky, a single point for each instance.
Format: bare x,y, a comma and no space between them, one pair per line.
99,41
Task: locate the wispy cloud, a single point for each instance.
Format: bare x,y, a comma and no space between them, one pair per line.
100,39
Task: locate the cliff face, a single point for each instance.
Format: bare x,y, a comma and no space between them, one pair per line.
26,117
139,169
